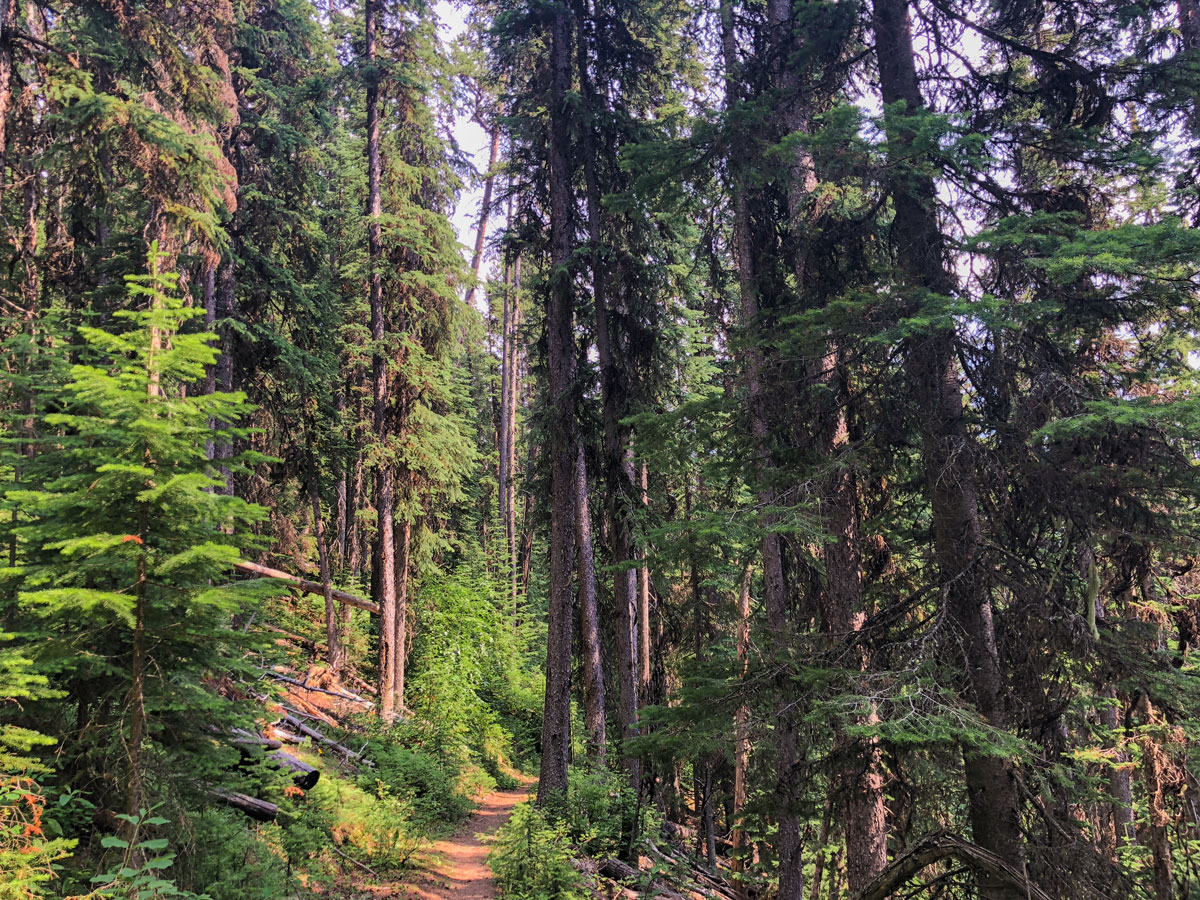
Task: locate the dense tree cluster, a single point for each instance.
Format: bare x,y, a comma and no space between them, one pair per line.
816,404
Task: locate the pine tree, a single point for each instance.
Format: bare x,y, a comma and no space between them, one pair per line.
126,537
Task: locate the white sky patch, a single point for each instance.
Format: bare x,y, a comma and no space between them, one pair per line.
473,141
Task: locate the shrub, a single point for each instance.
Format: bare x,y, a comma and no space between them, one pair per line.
531,859
601,811
429,783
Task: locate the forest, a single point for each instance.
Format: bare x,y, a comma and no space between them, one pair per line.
619,449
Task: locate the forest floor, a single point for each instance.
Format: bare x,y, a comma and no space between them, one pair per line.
457,868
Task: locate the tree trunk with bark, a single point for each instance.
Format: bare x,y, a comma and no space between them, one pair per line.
789,834
332,636
932,375
561,363
618,467
403,579
593,666
384,581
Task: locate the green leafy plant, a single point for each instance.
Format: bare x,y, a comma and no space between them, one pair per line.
531,859
140,875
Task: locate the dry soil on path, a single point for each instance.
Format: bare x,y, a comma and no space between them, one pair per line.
458,869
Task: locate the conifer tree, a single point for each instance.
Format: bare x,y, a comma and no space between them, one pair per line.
126,539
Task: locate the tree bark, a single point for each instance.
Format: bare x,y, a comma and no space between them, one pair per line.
741,732
510,429
385,547
931,372
789,837
403,579
311,587
561,363
332,637
644,643
987,867
8,61
618,467
593,666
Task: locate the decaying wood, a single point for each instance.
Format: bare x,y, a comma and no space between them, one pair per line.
631,877
287,737
941,846
300,728
310,587
341,695
304,776
259,810
308,644
310,711
247,738
706,881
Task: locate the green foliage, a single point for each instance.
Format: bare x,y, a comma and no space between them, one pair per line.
408,768
232,862
600,812
531,859
122,527
142,871
471,682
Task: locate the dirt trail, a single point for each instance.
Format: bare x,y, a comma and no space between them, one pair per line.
458,868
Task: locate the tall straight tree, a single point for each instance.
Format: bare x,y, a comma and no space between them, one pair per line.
384,568
561,363
930,364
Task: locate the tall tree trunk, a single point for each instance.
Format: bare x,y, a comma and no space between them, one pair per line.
618,466
561,362
950,477
789,836
385,547
840,596
341,510
1120,788
485,209
356,495
502,442
210,321
644,643
332,637
8,62
403,579
510,429
226,301
593,666
741,734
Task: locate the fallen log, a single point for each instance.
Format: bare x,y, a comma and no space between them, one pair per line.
304,776
260,810
246,738
354,698
704,879
308,644
312,711
627,875
310,587
943,845
300,728
287,737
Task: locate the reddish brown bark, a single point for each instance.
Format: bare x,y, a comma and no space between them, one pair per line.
384,581
561,363
332,636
